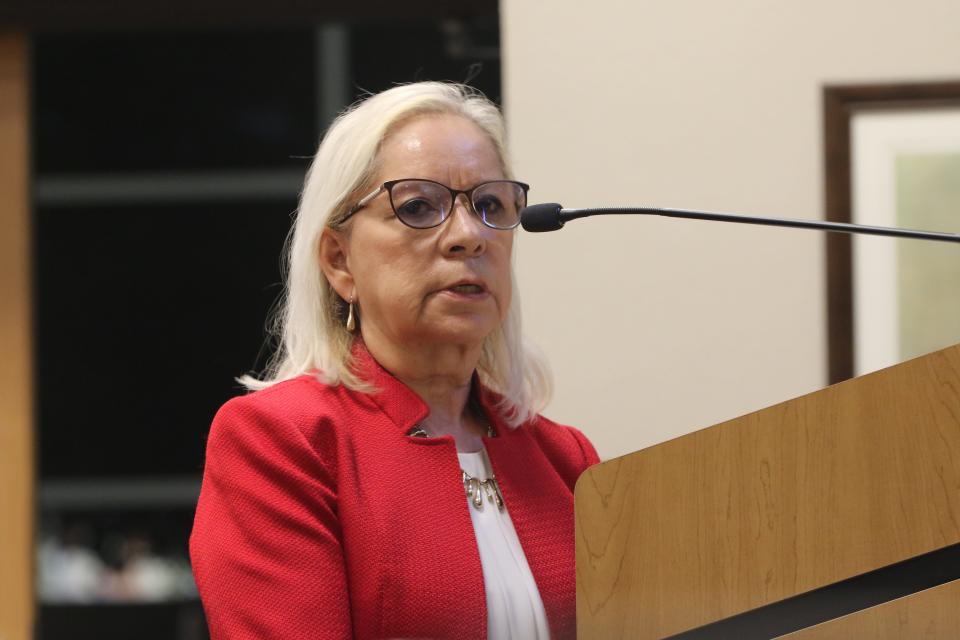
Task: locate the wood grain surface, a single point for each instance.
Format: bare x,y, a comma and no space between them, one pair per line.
788,499
16,414
932,614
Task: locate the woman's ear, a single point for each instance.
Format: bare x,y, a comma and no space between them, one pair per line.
333,262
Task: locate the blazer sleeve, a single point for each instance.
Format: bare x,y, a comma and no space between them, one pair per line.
589,453
570,452
266,545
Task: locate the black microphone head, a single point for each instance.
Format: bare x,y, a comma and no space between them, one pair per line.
541,217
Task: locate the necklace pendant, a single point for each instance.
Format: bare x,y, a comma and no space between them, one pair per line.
497,498
476,488
477,494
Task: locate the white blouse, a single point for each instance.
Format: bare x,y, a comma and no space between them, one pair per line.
514,607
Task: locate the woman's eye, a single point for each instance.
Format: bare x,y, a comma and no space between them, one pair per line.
488,205
416,207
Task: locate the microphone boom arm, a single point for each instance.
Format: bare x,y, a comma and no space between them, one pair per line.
564,215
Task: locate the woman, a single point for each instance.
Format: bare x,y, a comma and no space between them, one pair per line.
391,477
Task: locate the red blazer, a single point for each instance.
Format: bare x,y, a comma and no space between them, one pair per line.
320,518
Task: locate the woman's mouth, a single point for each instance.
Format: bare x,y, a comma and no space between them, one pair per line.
466,291
467,288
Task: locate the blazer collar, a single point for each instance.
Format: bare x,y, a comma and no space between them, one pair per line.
402,404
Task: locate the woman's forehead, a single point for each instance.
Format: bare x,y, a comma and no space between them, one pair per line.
438,143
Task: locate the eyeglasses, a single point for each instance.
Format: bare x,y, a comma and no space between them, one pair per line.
424,204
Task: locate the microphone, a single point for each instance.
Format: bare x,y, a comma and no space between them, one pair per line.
541,217
552,216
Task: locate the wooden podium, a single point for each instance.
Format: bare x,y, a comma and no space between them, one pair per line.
834,515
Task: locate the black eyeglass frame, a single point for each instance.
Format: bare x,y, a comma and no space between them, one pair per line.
389,184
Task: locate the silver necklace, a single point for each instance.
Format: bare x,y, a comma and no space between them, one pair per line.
475,488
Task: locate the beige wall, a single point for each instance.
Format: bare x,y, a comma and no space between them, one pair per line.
658,327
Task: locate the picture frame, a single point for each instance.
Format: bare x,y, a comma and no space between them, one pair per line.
877,138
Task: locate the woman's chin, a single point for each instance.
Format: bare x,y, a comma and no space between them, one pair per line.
459,330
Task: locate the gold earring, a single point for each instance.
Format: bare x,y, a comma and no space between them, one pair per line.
351,321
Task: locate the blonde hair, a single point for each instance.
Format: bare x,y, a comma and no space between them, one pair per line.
308,326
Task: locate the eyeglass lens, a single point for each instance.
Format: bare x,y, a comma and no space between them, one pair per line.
423,204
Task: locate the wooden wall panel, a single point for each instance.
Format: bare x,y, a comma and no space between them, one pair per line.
16,413
932,614
782,501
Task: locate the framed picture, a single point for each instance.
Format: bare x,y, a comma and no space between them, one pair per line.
892,155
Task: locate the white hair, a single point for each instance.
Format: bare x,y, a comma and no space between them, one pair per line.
308,324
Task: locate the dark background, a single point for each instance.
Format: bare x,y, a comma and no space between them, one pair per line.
147,311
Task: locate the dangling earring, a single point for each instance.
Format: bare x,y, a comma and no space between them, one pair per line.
351,321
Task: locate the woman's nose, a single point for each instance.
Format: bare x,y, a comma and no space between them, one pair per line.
464,234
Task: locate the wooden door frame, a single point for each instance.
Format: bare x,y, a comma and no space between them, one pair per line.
17,606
